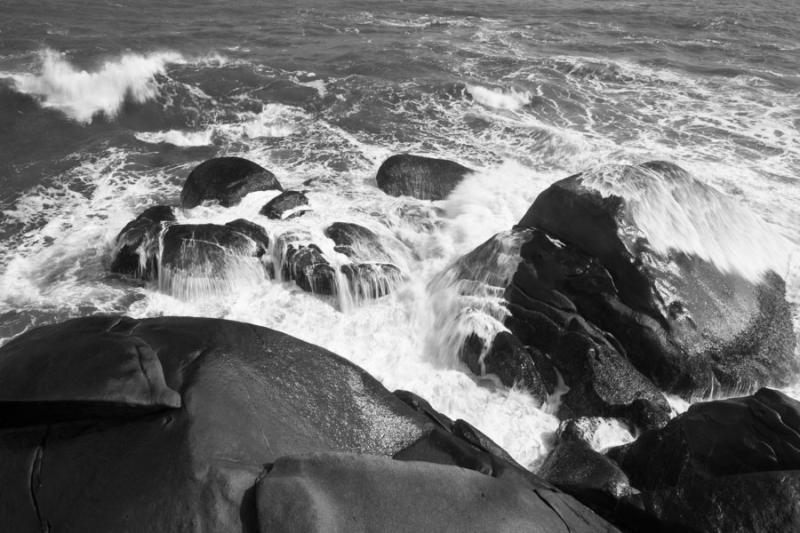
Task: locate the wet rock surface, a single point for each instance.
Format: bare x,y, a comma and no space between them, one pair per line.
425,178
685,322
288,204
233,398
726,465
226,180
136,247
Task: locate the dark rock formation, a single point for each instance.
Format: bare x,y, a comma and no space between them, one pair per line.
207,404
513,363
685,323
136,247
728,465
425,178
305,263
288,204
548,337
737,436
371,280
356,242
207,248
338,492
227,180
594,479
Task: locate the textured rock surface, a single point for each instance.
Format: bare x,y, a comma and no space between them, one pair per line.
227,180
727,465
336,492
136,247
288,204
230,399
547,338
684,322
425,178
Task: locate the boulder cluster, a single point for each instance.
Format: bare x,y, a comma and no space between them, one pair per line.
174,424
186,259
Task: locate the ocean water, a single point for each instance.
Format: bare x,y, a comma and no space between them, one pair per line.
107,105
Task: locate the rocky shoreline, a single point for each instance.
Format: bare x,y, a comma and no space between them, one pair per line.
171,423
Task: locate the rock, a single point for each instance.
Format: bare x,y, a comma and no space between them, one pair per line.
207,248
547,339
371,280
227,180
99,374
205,259
425,178
720,438
189,450
688,322
356,242
256,233
338,492
727,465
511,362
601,380
763,501
304,262
288,204
136,247
250,395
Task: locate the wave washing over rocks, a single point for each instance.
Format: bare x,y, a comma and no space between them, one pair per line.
399,267
579,305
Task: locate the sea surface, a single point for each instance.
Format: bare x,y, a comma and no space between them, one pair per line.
106,106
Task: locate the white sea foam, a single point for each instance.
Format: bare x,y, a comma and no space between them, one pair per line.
511,99
685,214
177,137
82,94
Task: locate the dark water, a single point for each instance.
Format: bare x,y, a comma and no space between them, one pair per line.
106,106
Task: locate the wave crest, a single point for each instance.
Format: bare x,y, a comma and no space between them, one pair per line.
81,94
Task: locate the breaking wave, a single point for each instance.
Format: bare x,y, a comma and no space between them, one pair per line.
82,94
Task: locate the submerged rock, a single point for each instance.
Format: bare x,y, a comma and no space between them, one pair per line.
728,465
371,280
137,245
199,259
227,180
687,316
304,263
206,248
288,204
166,424
425,178
356,242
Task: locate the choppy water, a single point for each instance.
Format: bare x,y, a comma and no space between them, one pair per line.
106,106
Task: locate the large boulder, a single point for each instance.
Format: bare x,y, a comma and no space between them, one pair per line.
542,338
425,178
136,247
727,465
114,424
198,258
226,180
689,316
338,492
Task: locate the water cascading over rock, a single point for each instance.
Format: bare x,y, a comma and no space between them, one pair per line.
618,306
